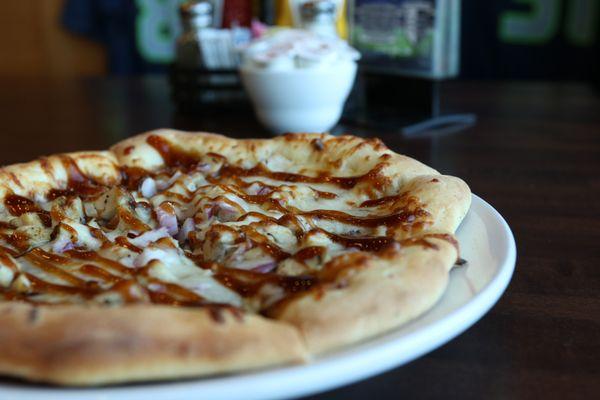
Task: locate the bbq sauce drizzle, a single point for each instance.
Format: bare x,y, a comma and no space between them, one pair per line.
246,283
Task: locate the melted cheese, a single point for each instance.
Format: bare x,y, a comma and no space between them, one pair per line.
180,238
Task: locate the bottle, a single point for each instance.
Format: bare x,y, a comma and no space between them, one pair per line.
237,13
267,11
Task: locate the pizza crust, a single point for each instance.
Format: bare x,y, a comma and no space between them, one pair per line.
445,197
339,155
77,345
376,297
39,176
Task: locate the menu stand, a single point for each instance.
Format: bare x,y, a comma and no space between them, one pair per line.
412,106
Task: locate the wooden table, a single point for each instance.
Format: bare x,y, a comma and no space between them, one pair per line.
534,155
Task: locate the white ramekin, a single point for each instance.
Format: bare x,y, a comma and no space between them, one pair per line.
301,99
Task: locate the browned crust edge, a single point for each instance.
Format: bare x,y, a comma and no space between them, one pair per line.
380,295
75,345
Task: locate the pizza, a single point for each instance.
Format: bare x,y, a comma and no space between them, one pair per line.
177,254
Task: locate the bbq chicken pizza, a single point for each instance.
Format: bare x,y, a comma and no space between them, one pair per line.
180,254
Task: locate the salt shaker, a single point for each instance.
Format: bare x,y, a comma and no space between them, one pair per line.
318,16
195,16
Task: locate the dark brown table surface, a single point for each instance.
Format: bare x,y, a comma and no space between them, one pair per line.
534,155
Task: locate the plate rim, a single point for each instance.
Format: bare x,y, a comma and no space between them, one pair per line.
301,378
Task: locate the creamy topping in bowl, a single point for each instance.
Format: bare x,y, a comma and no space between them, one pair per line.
289,49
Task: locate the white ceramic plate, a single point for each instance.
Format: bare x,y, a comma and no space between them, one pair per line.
486,243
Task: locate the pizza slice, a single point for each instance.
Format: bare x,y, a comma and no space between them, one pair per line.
181,254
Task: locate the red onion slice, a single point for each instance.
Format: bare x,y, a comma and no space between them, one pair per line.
264,190
148,187
257,189
223,211
262,265
187,227
63,243
203,167
170,182
265,268
167,220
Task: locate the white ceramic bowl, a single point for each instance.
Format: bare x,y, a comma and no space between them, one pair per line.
302,99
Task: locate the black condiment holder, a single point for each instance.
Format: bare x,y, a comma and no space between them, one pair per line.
194,90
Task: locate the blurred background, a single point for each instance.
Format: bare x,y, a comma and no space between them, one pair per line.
192,62
499,39
523,75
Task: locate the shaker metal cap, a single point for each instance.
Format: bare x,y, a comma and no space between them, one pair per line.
195,8
196,14
312,9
